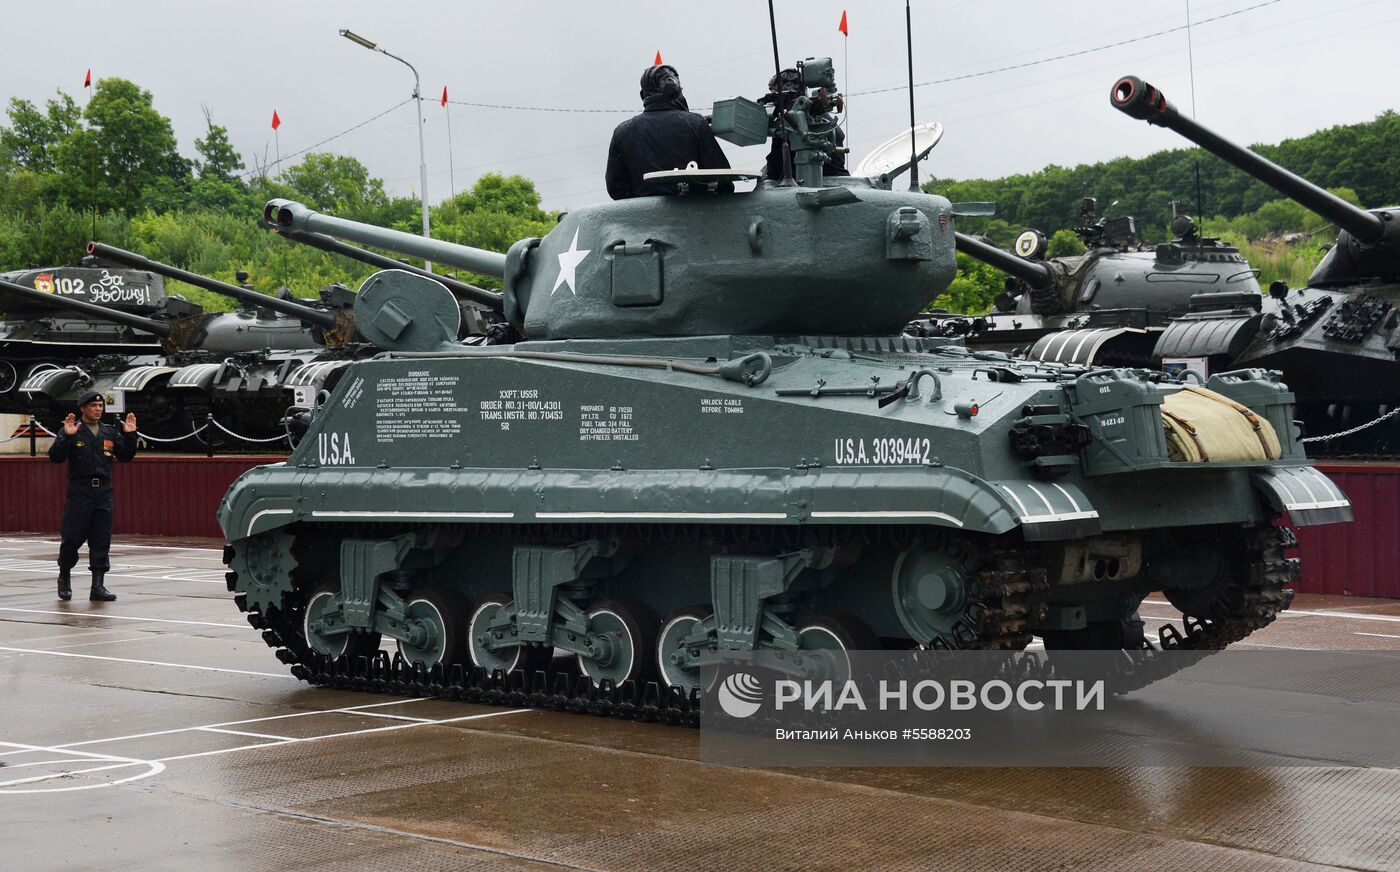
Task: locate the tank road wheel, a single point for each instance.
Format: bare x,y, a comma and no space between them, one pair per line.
317,628
836,635
437,620
628,628
671,647
525,658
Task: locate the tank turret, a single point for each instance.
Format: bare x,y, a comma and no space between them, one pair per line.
1106,307
1368,244
17,295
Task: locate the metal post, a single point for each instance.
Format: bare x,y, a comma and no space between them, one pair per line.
33,437
209,434
418,99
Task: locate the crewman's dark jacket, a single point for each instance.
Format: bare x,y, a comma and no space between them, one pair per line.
90,457
661,138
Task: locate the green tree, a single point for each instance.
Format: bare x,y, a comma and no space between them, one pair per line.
494,214
337,184
125,158
1063,243
33,136
218,185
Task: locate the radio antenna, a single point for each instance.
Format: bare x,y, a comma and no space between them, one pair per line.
778,111
913,149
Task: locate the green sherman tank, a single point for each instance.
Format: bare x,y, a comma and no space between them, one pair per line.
715,439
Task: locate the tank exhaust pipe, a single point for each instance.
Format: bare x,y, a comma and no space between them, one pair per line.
1138,99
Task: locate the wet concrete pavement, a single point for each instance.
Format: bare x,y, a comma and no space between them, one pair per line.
160,732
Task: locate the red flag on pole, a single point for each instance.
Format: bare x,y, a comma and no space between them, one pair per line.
657,62
87,80
842,27
276,122
444,96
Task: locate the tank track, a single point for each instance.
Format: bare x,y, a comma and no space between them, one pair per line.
1242,606
1000,611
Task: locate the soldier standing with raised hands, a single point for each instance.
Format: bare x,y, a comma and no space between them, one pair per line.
88,447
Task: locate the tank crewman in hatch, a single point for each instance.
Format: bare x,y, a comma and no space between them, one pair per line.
89,447
666,136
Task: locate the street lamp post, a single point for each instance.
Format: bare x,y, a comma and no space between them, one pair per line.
418,100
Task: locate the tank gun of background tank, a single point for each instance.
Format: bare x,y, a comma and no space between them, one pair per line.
1368,244
477,296
335,326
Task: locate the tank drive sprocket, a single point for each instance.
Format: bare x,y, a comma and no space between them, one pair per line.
261,569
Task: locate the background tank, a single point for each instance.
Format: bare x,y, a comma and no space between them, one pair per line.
1105,307
230,365
697,453
39,332
1335,339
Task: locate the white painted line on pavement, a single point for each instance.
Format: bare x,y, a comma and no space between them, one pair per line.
394,717
243,733
119,545
1378,635
44,567
306,714
148,662
368,730
1303,613
73,614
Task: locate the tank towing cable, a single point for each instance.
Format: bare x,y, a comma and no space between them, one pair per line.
751,369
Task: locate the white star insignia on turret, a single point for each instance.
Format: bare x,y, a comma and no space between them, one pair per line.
568,262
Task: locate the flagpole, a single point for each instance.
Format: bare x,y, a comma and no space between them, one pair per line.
92,161
451,165
845,32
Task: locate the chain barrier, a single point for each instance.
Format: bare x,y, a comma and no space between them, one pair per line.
215,422
1368,425
194,432
46,430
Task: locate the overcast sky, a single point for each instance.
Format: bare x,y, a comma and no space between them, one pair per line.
1275,69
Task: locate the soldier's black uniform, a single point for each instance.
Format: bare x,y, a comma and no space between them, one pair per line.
87,511
666,136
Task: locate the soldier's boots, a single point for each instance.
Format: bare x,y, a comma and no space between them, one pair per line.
65,585
99,592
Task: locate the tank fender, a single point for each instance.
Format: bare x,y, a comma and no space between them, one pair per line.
242,513
1308,496
1048,510
266,498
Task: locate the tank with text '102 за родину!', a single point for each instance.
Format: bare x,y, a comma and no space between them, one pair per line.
713,438
231,365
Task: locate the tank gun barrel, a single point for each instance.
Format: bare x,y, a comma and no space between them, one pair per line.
1037,275
295,216
301,312
1132,96
465,291
138,322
